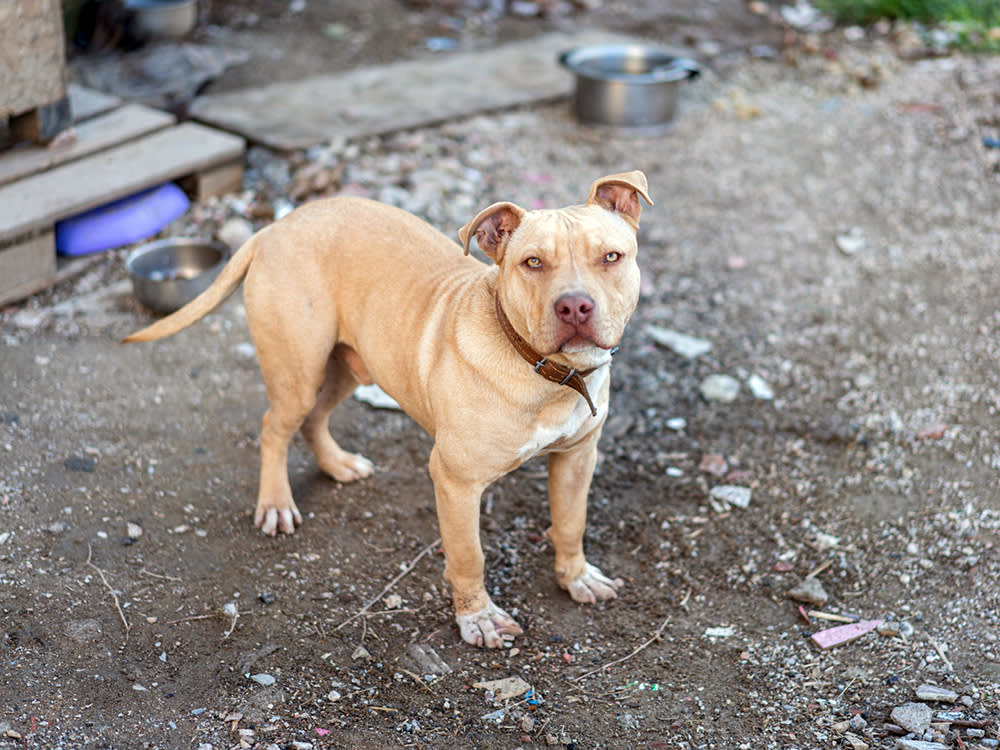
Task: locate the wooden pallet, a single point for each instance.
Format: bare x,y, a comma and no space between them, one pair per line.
120,149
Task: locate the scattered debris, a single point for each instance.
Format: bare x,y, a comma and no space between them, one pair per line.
759,388
503,689
713,463
935,693
852,242
732,494
679,343
724,631
809,591
423,660
721,388
263,678
843,633
375,396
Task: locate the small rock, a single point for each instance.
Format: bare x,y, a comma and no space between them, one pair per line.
855,742
628,721
721,388
809,591
713,463
679,343
235,232
677,423
913,717
263,679
393,601
80,463
732,495
905,744
83,631
851,243
759,388
508,687
935,693
245,351
361,653
59,527
333,696
133,530
424,660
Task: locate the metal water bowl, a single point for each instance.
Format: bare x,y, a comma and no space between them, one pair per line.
627,85
167,274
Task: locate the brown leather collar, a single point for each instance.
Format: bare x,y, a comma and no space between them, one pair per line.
549,370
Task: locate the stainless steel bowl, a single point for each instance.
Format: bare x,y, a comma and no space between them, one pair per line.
626,85
167,274
163,19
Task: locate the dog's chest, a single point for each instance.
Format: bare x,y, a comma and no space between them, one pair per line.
553,436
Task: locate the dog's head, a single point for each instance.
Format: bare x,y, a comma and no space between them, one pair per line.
568,278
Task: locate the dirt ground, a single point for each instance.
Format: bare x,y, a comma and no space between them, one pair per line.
827,221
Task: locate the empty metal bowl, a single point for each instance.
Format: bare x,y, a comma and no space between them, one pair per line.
163,19
167,274
626,85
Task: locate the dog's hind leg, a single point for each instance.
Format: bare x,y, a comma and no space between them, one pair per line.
344,370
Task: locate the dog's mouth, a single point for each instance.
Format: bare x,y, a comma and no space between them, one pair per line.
578,343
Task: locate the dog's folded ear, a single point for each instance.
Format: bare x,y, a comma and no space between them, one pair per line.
492,228
620,193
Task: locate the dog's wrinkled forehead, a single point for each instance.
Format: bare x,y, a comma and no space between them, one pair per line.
573,227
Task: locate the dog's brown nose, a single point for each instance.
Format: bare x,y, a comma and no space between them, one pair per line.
574,309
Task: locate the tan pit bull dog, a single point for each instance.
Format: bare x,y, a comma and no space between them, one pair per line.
498,363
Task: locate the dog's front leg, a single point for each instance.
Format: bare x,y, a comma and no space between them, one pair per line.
481,622
570,473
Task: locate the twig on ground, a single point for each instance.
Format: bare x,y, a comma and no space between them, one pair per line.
114,595
145,572
819,569
940,651
656,636
409,566
416,679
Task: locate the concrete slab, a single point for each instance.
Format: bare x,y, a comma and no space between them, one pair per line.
388,98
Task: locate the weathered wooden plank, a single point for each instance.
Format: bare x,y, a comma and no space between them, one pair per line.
38,201
409,94
27,266
97,134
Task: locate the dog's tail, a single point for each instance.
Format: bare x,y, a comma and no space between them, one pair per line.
224,285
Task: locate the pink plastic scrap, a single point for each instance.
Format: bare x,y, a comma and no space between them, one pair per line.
843,633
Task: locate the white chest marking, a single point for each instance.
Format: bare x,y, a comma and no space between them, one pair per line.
548,436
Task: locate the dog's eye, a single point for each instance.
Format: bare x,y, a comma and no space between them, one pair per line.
612,257
533,263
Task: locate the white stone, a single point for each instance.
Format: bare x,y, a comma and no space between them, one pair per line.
732,494
721,388
679,343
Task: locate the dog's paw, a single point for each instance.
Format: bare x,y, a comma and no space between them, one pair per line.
348,467
490,627
593,586
272,520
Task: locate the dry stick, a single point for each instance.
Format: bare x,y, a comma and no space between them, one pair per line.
409,566
118,606
145,572
817,570
656,637
940,651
